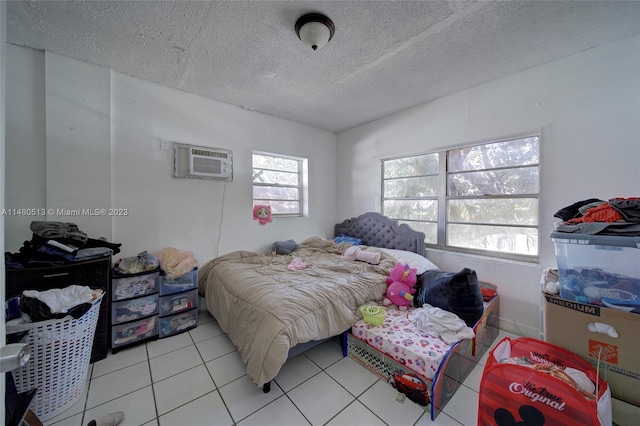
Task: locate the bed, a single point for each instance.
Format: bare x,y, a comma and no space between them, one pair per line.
271,313
397,349
243,288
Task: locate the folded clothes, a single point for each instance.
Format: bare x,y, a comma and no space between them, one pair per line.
629,208
58,230
92,253
175,262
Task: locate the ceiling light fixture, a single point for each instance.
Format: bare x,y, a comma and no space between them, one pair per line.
315,30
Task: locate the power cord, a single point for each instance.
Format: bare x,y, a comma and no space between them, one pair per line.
224,191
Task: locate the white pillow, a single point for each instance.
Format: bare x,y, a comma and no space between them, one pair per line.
414,260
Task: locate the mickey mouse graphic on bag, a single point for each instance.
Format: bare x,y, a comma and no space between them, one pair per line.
530,382
530,416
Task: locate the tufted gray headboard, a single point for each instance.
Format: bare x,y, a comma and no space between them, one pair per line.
377,230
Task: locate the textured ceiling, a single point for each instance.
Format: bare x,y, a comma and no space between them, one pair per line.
386,56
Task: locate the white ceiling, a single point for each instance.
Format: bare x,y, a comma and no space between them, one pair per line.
386,56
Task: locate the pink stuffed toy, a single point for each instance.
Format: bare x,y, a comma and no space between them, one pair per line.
262,213
402,281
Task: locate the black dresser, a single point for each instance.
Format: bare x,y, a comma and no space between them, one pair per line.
93,273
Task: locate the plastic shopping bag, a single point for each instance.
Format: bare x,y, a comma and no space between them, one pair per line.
143,262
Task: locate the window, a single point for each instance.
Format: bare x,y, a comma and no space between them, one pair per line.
484,200
278,181
410,190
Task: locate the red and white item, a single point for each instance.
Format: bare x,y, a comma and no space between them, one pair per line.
532,382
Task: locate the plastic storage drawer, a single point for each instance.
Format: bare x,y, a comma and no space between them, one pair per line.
133,309
126,287
125,334
598,269
178,323
178,302
182,283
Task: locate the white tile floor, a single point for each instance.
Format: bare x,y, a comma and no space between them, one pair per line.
197,378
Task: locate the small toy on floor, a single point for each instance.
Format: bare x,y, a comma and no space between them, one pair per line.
111,419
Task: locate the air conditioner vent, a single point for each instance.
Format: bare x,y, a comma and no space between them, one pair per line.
200,162
209,153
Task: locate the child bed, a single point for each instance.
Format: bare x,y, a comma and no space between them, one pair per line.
435,369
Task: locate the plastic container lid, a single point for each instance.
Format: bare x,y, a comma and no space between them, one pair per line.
599,240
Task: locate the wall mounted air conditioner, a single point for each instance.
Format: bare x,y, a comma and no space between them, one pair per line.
200,162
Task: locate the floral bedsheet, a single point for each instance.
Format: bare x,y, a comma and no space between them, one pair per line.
399,339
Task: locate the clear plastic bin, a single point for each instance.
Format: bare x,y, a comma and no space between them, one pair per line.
178,302
126,287
179,284
178,323
126,334
133,309
598,269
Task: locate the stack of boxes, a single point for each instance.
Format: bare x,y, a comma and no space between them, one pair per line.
597,314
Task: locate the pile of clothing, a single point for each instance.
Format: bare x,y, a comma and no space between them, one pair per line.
617,216
74,300
176,263
58,243
440,323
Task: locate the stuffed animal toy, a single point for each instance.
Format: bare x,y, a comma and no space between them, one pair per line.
262,213
402,281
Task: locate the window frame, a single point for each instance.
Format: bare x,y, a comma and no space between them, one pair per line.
301,186
443,198
435,198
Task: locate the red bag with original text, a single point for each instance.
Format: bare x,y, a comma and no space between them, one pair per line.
531,382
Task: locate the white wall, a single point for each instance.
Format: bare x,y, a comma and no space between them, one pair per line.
78,164
587,109
195,214
25,168
47,147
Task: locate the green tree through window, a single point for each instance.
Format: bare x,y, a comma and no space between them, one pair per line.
490,193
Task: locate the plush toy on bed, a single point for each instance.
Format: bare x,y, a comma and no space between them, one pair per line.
354,253
402,281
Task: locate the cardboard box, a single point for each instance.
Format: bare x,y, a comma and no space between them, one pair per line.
624,414
566,324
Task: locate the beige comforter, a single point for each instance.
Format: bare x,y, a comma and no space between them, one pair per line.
265,309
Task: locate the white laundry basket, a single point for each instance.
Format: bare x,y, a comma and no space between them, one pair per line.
59,364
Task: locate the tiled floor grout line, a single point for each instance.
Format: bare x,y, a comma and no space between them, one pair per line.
216,388
153,389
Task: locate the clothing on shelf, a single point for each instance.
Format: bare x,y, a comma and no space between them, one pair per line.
58,243
617,216
64,232
136,331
